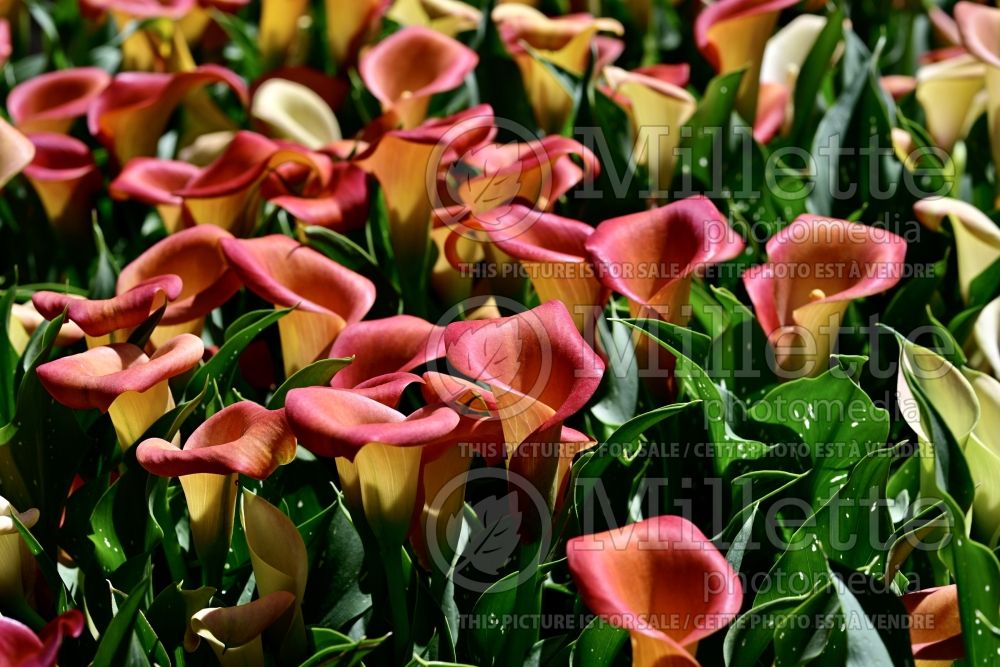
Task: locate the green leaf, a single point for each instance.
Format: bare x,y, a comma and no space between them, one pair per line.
315,374
622,377
599,645
814,71
115,640
8,359
240,334
707,128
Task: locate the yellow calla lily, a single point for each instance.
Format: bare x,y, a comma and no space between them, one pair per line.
948,92
449,17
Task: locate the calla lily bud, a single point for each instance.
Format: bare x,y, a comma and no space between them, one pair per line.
121,380
816,267
662,580
280,563
977,238
286,273
404,70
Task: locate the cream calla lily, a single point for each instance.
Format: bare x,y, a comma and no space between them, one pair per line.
14,555
292,111
987,332
449,17
234,632
949,91
982,453
977,238
280,563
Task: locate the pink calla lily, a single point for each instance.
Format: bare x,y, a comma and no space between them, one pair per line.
816,267
66,178
52,101
936,630
102,317
286,273
404,70
20,647
395,344
155,182
662,580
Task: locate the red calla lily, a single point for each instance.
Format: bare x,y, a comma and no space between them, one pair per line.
130,114
816,267
155,182
537,365
102,317
286,273
662,580
404,70
66,179
394,344
51,102
20,647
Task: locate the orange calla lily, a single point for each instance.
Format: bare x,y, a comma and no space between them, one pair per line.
732,34
195,256
51,102
538,42
25,319
281,33
130,114
816,267
66,179
404,70
663,581
242,439
349,24
121,380
286,273
395,344
936,630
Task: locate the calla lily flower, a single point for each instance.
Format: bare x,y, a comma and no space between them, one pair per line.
935,628
341,203
407,164
154,182
66,179
662,580
242,439
968,403
100,317
50,102
977,238
732,34
349,23
448,17
987,332
377,449
395,344
234,633
293,111
651,257
6,48
784,55
195,256
280,563
16,562
947,91
121,380
537,365
979,26
17,149
21,647
206,148
130,114
658,109
25,319
816,267
537,43
286,273
404,70
281,28
553,251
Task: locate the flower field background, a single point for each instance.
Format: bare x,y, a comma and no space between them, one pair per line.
442,332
